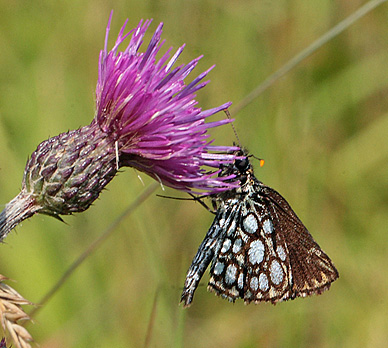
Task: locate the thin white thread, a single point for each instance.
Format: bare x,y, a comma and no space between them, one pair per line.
117,154
160,182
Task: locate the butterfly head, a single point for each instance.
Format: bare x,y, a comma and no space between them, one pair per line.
241,168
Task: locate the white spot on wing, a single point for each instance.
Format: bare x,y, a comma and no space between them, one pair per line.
256,252
267,226
226,245
240,281
230,275
281,253
263,282
276,272
218,268
237,245
254,284
250,223
232,228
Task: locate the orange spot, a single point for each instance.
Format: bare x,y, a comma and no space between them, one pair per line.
261,161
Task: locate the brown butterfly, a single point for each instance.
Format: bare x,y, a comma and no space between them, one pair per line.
258,248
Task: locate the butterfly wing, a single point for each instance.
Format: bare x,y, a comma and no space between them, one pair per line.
253,262
312,269
209,247
271,256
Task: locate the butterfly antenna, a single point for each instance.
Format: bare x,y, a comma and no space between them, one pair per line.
261,161
233,127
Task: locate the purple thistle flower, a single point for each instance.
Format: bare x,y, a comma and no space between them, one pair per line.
146,118
146,107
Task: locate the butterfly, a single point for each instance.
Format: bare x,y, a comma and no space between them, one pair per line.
258,248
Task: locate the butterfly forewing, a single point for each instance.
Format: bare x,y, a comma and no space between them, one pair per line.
258,248
206,251
312,269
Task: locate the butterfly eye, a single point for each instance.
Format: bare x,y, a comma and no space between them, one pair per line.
242,165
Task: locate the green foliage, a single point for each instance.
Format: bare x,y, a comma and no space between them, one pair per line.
322,130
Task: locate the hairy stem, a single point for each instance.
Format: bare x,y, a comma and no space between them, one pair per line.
20,208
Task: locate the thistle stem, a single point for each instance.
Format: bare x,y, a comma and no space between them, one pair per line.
20,208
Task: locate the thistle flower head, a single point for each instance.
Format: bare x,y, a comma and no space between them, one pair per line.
145,105
146,117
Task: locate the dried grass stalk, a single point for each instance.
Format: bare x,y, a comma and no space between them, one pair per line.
11,313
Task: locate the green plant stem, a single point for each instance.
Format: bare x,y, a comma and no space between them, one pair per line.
94,246
329,35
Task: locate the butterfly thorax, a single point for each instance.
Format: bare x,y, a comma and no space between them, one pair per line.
248,183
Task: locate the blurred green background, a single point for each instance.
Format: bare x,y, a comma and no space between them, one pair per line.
322,130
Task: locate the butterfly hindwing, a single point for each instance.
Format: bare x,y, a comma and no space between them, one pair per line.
253,263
